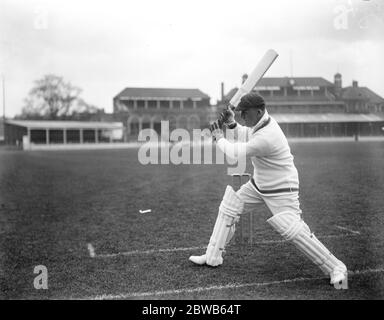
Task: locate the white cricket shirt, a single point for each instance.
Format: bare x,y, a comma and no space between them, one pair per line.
269,151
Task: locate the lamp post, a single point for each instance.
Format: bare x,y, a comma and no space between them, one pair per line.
3,84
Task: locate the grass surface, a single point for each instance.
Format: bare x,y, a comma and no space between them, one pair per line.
53,204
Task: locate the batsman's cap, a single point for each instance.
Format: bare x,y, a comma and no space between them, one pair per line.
251,100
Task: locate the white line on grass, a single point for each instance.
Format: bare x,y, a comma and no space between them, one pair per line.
91,250
152,251
93,254
347,229
222,287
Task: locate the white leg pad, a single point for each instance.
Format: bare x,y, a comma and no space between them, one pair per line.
231,206
293,228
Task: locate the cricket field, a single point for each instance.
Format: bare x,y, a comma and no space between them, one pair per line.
78,214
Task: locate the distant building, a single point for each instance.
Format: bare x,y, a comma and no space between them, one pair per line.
141,108
304,106
361,99
314,106
30,134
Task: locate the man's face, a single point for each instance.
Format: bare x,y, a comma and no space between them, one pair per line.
251,116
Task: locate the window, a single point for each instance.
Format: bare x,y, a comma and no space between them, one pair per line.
89,136
56,136
38,136
140,104
73,136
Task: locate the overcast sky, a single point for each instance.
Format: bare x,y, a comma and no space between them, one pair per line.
105,46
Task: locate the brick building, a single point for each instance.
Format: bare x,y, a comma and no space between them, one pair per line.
141,108
303,106
314,106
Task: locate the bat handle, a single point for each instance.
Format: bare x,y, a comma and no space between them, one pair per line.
206,134
228,107
231,107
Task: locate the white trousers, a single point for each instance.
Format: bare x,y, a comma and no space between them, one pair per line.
276,203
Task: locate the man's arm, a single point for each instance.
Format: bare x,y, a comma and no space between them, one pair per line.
255,147
240,132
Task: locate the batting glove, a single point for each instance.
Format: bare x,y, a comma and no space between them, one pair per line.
216,130
227,117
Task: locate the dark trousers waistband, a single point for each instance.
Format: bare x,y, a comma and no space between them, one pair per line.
275,190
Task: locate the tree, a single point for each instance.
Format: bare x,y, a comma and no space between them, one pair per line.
53,98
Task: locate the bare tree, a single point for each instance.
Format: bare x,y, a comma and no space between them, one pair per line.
53,98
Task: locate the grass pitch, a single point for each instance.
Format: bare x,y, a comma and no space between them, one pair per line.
77,213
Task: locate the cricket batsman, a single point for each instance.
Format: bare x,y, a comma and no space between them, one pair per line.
275,182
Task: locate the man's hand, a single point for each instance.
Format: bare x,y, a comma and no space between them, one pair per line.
227,117
216,130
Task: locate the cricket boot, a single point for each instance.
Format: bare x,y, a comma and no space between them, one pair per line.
200,260
339,275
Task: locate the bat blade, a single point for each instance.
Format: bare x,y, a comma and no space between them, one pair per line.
252,80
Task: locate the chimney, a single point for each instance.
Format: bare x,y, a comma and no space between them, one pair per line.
243,78
354,84
222,91
338,84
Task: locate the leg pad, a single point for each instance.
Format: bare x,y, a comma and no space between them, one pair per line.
231,206
294,229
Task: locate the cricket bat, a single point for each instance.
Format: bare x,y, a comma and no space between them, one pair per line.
252,80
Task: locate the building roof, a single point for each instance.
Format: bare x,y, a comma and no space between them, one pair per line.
285,82
326,117
162,93
48,124
361,93
299,99
304,102
298,81
293,100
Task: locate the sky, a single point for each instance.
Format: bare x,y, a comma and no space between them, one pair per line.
105,46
